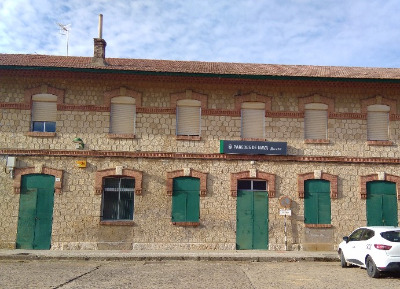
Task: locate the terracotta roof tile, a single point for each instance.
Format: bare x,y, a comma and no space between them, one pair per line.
198,67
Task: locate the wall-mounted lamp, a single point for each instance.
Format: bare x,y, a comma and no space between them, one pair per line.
10,165
79,143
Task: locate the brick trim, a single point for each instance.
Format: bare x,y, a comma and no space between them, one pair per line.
378,99
19,172
333,179
318,225
40,134
121,136
375,177
137,175
43,89
188,137
317,98
122,91
270,178
253,97
316,141
117,223
187,173
186,224
198,156
189,94
380,143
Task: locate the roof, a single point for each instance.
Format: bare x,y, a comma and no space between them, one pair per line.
171,67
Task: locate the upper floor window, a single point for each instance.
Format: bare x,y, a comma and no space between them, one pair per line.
316,121
253,120
378,122
122,115
188,117
44,113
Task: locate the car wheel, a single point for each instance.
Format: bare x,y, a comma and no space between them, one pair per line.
372,271
343,262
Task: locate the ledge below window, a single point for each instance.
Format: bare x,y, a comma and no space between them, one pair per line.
188,137
117,223
379,143
186,224
318,225
316,141
40,134
121,136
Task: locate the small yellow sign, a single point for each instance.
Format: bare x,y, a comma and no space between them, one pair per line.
81,164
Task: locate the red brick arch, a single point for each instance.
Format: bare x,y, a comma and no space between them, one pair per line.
270,178
375,177
137,175
333,179
187,173
58,174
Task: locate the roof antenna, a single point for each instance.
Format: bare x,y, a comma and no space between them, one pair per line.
64,30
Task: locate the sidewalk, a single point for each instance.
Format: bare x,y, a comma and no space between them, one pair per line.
136,255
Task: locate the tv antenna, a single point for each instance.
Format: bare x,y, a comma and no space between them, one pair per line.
64,30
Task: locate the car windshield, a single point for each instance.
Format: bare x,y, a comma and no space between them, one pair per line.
392,236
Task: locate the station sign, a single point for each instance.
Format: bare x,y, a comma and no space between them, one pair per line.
253,147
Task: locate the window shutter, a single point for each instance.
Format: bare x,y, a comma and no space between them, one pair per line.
44,111
378,122
316,121
123,115
316,124
253,123
188,117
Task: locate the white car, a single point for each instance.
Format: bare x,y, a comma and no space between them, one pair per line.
375,248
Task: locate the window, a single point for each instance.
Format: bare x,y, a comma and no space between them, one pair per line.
186,200
122,115
253,120
316,121
317,202
378,122
188,117
118,198
44,113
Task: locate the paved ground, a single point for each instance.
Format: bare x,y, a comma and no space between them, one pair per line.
54,273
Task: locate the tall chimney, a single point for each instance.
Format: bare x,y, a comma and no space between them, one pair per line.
99,55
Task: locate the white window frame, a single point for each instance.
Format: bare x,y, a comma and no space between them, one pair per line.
44,110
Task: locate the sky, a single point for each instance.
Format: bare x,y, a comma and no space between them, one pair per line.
363,33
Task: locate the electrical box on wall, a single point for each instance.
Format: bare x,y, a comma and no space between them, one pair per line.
81,164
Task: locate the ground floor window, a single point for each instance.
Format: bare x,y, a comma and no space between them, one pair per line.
118,198
317,202
186,200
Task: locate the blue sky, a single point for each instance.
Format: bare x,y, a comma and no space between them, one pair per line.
309,32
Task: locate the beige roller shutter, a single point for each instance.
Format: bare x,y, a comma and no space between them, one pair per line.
253,120
44,107
122,115
378,122
316,121
188,117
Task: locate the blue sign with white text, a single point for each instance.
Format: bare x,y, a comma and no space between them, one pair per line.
253,147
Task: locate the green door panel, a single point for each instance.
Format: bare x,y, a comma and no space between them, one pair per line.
26,219
244,220
35,212
186,199
251,220
317,202
260,230
381,204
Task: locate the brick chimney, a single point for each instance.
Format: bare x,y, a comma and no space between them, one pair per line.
99,55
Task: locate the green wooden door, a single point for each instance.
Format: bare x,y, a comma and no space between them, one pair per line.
381,204
35,212
317,202
186,200
251,220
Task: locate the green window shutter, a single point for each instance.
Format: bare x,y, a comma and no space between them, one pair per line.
317,202
381,204
186,200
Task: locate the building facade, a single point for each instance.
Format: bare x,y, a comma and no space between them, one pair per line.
127,154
